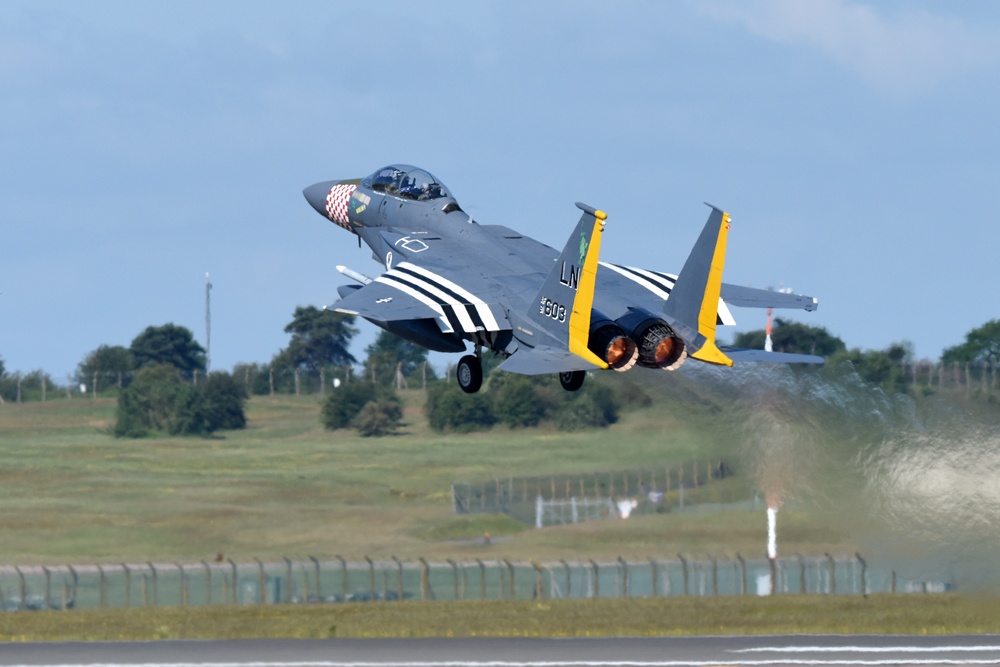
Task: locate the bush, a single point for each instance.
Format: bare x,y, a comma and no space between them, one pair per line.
345,403
379,417
517,401
451,409
160,399
593,407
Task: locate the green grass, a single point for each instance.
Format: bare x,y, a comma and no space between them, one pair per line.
69,492
884,614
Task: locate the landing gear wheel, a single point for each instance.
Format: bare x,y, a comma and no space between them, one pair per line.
572,380
470,374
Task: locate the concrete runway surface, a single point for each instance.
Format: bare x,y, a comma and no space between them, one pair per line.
627,652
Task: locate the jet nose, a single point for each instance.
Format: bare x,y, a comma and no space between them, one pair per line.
316,195
330,199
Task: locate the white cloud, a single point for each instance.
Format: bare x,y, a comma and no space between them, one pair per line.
903,53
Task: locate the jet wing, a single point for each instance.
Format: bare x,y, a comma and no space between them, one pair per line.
411,292
385,303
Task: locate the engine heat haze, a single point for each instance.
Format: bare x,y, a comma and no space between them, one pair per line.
448,282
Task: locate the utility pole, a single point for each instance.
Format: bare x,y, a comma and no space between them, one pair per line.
208,323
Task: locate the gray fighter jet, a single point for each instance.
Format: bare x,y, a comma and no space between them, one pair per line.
448,281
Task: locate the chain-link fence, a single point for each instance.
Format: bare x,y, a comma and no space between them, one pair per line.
329,581
599,495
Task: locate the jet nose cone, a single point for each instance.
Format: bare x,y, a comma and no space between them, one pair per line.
316,195
330,199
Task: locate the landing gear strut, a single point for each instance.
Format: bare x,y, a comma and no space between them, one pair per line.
572,380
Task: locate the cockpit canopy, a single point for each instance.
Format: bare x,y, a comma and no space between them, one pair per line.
403,180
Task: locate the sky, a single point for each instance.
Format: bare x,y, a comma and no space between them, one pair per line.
144,144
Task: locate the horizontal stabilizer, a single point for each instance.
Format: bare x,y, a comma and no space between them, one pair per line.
750,297
763,356
543,359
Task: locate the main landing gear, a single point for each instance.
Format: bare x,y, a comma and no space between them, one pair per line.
572,380
470,372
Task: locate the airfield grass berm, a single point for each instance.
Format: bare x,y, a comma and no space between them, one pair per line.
798,614
286,487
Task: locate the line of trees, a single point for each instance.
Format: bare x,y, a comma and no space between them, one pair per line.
162,386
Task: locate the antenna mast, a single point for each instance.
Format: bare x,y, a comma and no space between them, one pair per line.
208,323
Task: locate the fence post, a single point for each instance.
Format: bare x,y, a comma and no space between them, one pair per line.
261,582
183,584
774,575
76,581
539,587
802,573
232,564
343,578
128,585
510,568
371,577
104,587
482,580
624,577
208,583
597,579
892,585
399,579
715,574
864,574
288,586
656,578
48,587
152,568
425,580
833,574
568,578
23,604
454,575
743,574
684,572
319,588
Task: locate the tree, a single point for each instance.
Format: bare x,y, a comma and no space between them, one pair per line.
225,398
390,352
794,337
169,344
982,345
109,363
320,338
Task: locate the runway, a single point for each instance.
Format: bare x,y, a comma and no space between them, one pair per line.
624,652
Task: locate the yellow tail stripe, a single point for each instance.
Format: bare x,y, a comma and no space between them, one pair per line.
710,302
579,319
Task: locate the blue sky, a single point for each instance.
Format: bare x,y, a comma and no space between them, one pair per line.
147,143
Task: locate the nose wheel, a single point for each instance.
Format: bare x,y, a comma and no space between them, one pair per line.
470,373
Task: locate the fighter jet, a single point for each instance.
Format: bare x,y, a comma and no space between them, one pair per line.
448,281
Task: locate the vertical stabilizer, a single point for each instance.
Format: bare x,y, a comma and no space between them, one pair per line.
693,305
566,299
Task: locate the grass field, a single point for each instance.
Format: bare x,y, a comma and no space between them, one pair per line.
70,493
937,614
286,486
